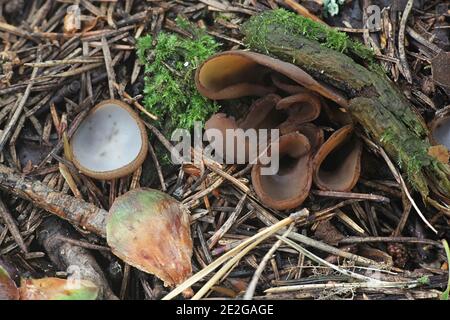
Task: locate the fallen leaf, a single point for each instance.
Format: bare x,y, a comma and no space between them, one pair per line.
150,230
8,289
57,289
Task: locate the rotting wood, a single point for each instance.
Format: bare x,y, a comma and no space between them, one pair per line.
76,211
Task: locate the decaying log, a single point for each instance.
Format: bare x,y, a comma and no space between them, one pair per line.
76,211
66,255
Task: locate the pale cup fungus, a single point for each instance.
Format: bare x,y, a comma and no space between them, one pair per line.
110,143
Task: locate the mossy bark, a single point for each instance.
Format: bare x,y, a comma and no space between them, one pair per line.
374,101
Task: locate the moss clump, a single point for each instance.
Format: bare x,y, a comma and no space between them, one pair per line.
311,30
170,61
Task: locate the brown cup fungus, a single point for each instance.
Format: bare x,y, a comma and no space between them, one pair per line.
337,163
110,143
235,74
290,186
289,100
440,137
440,130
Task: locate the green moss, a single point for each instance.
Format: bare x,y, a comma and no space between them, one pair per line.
295,24
412,157
170,61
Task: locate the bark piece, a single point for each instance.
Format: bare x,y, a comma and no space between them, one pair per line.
74,210
67,256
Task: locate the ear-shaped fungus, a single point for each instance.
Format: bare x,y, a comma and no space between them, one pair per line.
263,114
111,142
314,134
285,84
301,108
235,74
337,164
288,114
290,186
221,122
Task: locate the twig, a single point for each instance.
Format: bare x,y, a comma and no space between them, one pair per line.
228,224
215,264
12,227
319,260
83,244
351,195
126,277
353,285
134,102
334,251
151,150
67,255
390,240
262,265
109,67
77,211
400,180
17,112
227,267
401,41
301,10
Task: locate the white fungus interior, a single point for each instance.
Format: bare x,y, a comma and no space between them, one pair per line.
107,139
442,132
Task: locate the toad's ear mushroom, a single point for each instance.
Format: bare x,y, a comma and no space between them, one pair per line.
220,123
289,187
230,76
285,84
262,114
301,108
337,163
314,134
234,74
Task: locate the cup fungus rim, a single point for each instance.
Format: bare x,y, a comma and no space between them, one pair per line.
132,165
435,122
293,201
338,138
292,71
